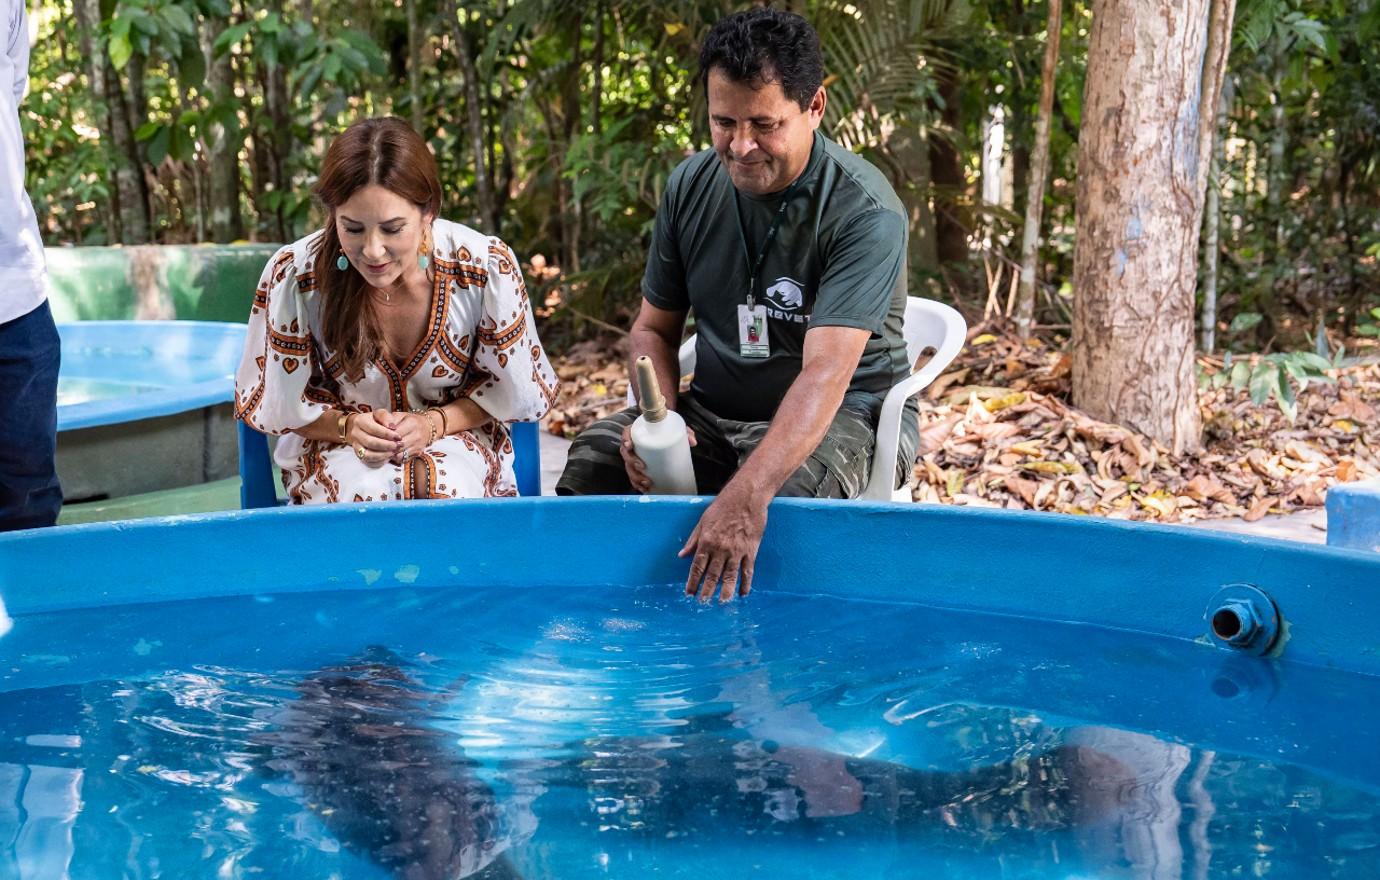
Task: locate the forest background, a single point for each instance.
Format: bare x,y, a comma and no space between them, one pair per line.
556,123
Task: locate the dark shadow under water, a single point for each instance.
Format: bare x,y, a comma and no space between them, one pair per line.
403,794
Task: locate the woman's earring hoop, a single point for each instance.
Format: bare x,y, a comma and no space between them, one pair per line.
342,263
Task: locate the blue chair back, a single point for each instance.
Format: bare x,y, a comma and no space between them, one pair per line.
258,477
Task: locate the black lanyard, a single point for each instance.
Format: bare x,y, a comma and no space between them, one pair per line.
755,266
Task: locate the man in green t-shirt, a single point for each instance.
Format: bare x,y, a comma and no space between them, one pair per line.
790,251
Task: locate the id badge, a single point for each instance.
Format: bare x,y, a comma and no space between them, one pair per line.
752,331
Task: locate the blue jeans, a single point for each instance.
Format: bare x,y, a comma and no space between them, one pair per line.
29,355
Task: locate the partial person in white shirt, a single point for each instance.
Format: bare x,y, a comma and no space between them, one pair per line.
29,351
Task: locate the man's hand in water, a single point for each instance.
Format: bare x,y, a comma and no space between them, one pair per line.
724,543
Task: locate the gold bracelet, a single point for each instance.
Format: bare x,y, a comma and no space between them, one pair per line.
430,425
445,424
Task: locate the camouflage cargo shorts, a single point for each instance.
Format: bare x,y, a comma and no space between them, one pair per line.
838,468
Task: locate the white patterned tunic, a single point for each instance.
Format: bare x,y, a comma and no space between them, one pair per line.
480,343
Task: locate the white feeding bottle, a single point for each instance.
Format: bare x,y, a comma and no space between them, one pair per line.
659,438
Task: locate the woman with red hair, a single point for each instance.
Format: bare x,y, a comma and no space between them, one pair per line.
391,348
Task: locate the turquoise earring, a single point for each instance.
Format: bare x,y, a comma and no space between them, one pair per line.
341,263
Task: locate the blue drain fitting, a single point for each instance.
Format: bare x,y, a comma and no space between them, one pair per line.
1243,618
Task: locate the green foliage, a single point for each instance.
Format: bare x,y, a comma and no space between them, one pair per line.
585,106
1245,321
1371,327
1260,21
1271,376
613,177
69,164
883,60
1299,183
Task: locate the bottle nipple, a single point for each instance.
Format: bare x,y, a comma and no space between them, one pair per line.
649,395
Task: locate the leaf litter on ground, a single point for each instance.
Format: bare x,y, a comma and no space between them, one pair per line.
997,430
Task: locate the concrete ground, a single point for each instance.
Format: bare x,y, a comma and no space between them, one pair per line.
1309,526
553,451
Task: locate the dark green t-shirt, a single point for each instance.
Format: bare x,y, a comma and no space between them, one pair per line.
838,260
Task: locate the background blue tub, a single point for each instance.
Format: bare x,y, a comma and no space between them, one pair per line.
145,405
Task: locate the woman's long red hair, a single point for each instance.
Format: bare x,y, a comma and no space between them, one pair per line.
383,151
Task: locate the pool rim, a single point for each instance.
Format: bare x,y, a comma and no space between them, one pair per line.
1320,590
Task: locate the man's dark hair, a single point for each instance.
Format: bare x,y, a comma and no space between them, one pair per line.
765,45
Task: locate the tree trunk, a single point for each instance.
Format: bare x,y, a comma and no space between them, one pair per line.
474,121
1018,133
134,195
1212,243
1141,174
572,214
1039,171
1267,303
1212,227
260,187
597,98
924,253
952,222
414,65
904,157
273,81
1355,292
222,153
138,114
88,16
244,72
188,172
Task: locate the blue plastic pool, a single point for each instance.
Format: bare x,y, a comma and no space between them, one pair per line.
115,372
516,689
145,405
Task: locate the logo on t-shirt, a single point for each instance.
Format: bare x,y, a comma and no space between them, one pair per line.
786,294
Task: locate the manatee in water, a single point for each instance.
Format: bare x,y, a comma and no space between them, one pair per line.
404,794
387,786
706,782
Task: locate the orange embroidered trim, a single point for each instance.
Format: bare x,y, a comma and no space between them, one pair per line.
507,337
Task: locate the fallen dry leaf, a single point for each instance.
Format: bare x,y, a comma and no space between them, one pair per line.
1350,406
1259,508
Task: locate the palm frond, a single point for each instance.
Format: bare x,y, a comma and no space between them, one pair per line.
881,60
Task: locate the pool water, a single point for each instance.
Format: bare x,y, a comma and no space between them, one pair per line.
628,732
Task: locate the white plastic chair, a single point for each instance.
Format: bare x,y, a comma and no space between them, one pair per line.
927,324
